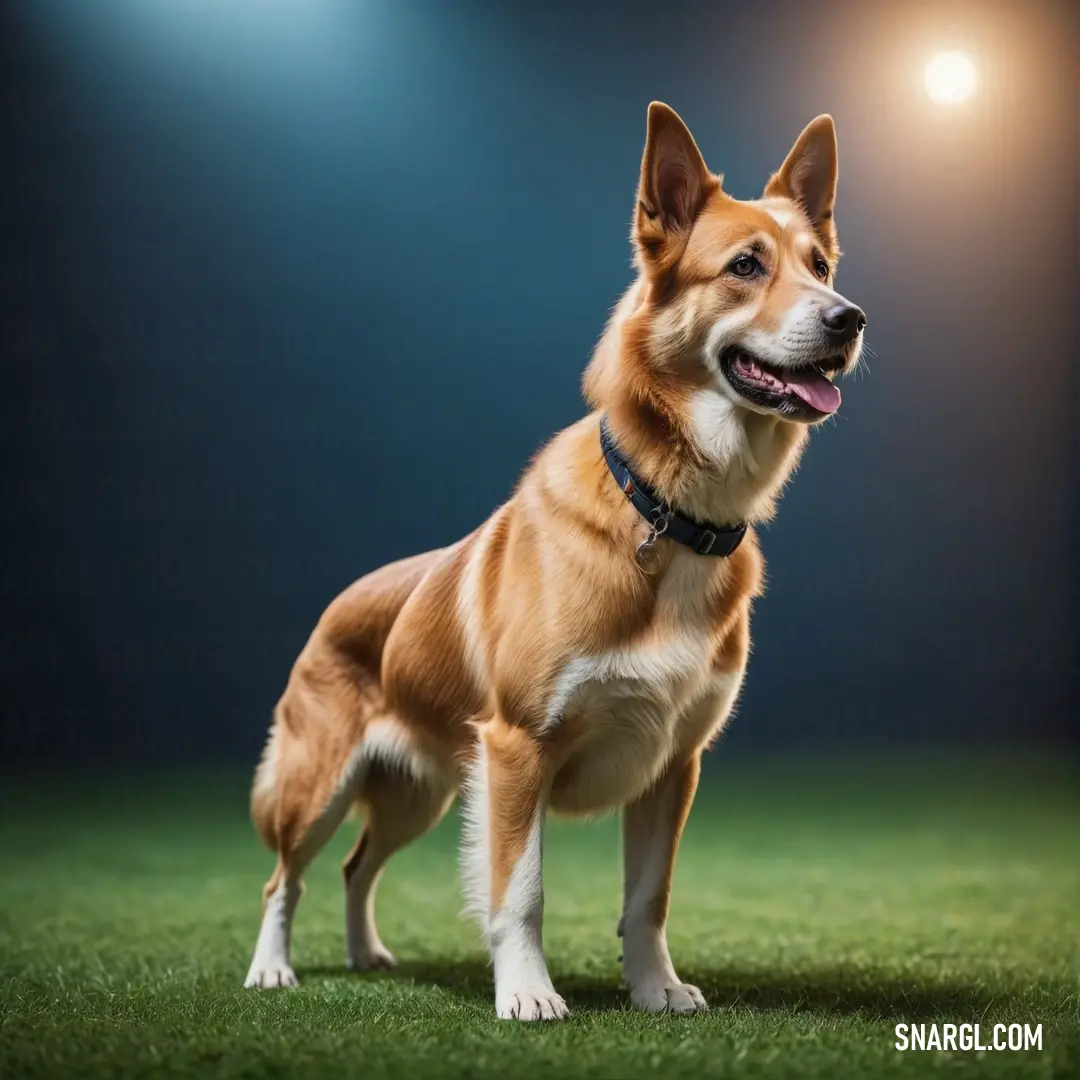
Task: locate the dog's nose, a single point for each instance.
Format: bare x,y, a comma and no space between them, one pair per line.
844,322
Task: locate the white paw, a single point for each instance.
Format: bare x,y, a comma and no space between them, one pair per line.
538,1004
671,997
377,959
270,977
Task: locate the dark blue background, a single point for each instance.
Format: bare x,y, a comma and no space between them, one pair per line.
293,289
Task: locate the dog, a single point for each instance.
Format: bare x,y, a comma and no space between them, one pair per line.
581,649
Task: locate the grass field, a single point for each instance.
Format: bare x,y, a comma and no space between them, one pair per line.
816,905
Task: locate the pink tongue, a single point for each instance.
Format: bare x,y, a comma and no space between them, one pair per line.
814,389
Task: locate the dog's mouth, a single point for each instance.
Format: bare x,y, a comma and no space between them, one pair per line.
803,392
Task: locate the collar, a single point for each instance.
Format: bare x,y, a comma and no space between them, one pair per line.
707,539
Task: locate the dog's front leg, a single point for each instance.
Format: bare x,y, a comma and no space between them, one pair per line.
651,829
506,806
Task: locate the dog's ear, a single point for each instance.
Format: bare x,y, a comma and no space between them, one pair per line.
808,176
675,182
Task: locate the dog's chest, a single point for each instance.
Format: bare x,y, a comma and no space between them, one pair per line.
631,709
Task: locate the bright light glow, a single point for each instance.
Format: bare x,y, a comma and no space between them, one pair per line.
950,78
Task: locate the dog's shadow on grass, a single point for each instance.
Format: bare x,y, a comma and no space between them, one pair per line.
832,991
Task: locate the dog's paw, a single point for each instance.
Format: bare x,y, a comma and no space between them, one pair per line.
538,1004
377,959
270,977
668,997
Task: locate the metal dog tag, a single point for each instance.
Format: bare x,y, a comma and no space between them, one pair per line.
648,558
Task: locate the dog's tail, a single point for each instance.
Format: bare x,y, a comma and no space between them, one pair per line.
264,791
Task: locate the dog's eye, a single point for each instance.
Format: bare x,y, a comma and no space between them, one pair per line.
744,266
821,267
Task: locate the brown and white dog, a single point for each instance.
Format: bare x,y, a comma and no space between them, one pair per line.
539,663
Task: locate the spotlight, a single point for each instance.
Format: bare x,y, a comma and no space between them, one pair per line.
950,78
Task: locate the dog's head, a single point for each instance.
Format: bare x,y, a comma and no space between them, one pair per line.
739,296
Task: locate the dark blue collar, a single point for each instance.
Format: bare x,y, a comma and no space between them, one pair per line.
708,539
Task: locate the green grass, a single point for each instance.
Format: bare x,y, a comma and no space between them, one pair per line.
817,906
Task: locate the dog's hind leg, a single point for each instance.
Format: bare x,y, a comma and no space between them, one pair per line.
329,731
312,791
400,808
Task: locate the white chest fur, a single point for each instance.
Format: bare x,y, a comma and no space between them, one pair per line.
636,707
